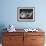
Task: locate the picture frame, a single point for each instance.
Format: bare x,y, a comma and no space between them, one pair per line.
26,14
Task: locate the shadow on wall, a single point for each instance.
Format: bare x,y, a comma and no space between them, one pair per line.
2,26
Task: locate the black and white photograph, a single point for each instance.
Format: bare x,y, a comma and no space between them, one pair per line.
25,14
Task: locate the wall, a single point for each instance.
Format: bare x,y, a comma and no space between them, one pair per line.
9,13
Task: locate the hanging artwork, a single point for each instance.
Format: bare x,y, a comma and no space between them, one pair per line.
26,14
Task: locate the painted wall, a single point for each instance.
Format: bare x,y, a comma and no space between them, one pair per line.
8,13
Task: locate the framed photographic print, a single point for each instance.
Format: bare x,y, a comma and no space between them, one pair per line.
26,14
